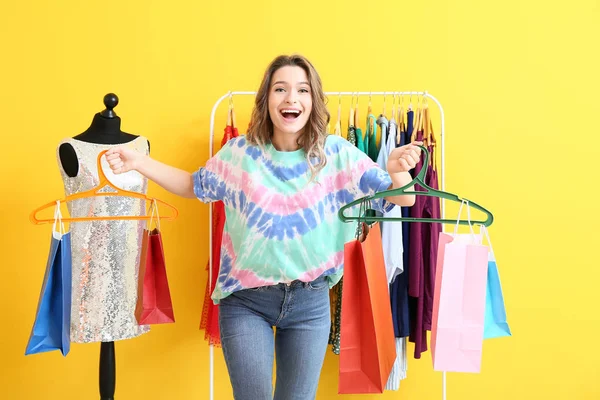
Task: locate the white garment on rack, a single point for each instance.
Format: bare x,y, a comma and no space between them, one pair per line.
400,366
391,232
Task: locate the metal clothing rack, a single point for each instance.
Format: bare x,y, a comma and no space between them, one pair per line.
425,94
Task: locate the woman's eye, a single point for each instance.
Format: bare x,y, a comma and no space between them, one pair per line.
303,90
279,89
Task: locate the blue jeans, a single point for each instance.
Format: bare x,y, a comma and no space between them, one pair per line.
300,313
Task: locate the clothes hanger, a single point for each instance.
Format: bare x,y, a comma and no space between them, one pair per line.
418,122
428,191
393,108
229,109
338,125
401,123
425,126
231,112
432,143
96,192
429,136
356,118
351,116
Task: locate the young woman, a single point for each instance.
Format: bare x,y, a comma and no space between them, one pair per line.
282,185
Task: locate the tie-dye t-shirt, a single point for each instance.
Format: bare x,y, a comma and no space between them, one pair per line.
280,226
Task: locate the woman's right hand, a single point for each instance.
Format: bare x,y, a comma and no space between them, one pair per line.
122,159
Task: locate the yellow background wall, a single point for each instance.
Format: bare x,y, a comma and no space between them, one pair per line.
519,84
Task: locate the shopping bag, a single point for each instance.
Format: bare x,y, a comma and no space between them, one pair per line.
459,303
496,324
367,342
52,325
154,304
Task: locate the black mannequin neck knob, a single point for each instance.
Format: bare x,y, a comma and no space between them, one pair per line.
110,101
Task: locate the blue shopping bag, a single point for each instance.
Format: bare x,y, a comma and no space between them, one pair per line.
496,324
51,328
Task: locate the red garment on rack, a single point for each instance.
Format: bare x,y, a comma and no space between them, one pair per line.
210,311
422,258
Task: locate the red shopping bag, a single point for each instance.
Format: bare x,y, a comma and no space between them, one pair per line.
154,304
367,342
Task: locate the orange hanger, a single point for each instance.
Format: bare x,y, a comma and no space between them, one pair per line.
95,192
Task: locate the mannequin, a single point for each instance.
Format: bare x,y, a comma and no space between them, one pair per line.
105,129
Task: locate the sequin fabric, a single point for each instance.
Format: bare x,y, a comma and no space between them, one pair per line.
105,253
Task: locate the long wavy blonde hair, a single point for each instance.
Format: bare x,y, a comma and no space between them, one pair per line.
312,139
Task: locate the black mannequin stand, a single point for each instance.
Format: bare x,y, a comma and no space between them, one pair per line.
108,376
104,129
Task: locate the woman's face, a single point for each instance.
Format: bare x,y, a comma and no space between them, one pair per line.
290,100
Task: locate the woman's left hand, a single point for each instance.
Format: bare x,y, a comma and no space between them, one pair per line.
404,158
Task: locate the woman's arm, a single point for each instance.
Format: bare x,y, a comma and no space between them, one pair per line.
400,161
175,180
399,180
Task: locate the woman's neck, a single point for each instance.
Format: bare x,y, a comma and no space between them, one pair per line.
285,142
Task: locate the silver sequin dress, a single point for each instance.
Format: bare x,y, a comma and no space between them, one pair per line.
105,253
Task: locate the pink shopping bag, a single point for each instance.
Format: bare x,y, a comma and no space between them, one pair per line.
459,303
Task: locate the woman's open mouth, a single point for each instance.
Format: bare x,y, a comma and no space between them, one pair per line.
290,114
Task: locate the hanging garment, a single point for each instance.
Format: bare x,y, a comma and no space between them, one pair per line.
371,146
434,209
335,298
105,253
399,289
210,311
400,366
360,140
391,232
352,135
423,252
335,295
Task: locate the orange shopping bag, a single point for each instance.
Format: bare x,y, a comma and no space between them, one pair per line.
367,342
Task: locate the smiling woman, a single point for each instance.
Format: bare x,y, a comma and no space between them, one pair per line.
282,247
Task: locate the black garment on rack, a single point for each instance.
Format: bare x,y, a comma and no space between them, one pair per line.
399,287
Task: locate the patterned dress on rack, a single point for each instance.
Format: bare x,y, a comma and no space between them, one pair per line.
105,253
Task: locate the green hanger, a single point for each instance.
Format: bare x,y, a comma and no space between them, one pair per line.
429,191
